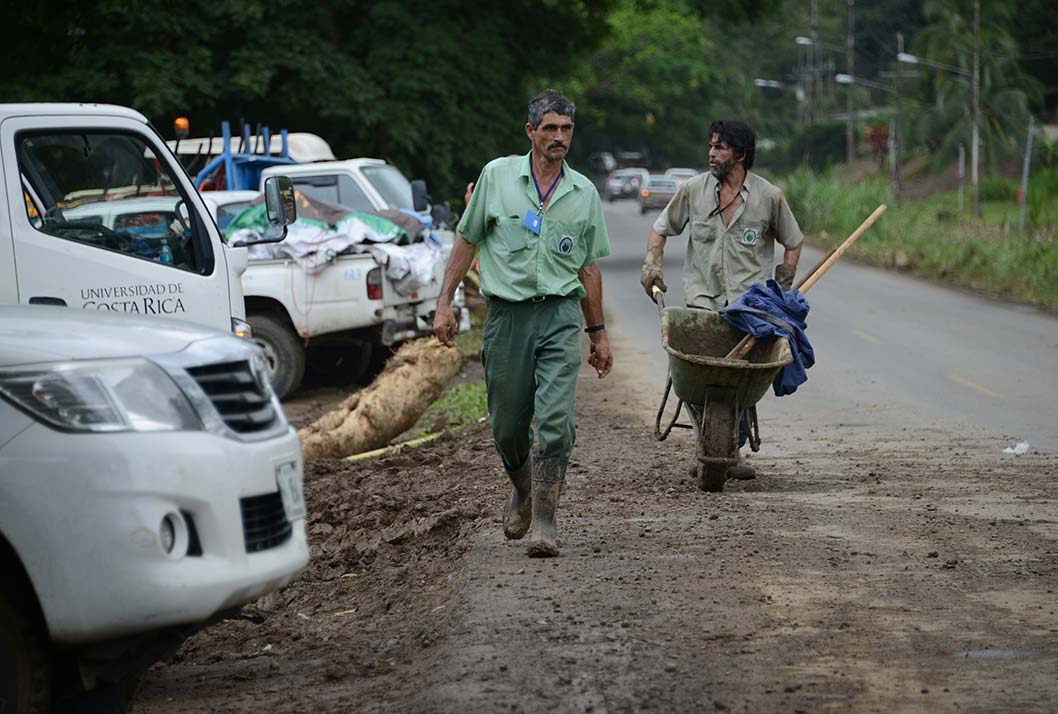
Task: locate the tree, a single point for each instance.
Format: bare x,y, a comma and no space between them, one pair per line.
1005,88
648,86
438,87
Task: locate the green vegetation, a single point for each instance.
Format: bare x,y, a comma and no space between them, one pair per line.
439,88
470,342
936,242
459,407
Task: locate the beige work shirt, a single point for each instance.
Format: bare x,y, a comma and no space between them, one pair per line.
723,261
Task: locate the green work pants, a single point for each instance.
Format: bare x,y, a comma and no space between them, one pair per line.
531,354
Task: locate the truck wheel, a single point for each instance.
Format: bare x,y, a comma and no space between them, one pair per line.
25,667
284,354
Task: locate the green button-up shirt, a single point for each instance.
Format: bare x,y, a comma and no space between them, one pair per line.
723,261
517,264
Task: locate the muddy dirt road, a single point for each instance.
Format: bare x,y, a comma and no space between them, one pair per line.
866,570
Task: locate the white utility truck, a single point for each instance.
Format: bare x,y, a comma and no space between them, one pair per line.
350,311
149,482
96,214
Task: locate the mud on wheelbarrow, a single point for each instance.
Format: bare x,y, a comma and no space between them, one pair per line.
697,342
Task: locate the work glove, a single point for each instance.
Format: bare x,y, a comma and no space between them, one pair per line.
784,275
651,274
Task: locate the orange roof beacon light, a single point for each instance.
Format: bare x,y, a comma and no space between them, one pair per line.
181,127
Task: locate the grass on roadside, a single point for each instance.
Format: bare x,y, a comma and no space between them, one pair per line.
459,407
936,242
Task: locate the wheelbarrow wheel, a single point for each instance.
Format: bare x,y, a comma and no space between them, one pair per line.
719,440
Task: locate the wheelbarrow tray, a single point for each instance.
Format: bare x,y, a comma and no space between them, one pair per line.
697,342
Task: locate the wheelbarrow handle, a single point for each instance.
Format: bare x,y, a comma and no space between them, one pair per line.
659,298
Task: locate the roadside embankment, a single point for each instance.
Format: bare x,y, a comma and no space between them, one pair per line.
930,239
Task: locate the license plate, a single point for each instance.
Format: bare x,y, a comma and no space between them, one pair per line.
289,481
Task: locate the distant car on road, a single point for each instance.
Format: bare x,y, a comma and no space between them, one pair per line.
657,192
625,183
681,175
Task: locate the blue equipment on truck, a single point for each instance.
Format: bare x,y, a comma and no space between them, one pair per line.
241,170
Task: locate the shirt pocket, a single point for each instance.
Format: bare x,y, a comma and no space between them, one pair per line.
704,230
566,245
704,273
512,234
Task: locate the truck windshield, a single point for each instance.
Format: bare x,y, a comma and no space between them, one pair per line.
110,191
390,182
334,189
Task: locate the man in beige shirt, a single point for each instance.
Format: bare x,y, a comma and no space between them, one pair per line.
736,218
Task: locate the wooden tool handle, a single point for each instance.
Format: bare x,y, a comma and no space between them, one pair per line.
740,350
843,247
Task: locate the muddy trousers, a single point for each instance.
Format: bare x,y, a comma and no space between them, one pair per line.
531,353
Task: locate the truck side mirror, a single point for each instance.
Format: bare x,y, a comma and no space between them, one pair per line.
420,200
281,208
280,205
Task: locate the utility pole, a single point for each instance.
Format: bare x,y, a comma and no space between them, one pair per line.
898,141
1025,174
850,44
975,129
962,175
816,93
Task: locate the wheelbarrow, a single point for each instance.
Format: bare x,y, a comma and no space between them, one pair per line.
725,372
727,390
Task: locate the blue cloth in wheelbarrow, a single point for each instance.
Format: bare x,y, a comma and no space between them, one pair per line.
767,311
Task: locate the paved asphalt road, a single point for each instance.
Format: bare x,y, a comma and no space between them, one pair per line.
892,352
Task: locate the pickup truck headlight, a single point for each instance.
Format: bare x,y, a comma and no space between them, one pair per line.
100,396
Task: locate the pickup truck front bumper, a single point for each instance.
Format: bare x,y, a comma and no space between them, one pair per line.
88,525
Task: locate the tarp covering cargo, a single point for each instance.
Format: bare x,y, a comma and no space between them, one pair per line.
323,231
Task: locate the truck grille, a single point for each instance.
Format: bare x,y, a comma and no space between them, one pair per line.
264,522
243,403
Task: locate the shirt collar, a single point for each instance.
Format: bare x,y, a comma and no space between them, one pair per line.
570,175
747,184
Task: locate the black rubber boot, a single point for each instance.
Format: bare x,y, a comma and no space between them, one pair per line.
548,477
520,513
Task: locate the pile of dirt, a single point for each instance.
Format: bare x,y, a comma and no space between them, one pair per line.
368,419
394,507
384,534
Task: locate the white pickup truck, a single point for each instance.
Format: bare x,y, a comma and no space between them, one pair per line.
95,213
350,311
149,483
138,455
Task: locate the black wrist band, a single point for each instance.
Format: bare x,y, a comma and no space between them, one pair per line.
594,328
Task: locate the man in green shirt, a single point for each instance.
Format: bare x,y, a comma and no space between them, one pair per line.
537,228
736,218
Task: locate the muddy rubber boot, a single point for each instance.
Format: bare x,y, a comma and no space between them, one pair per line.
548,476
520,513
